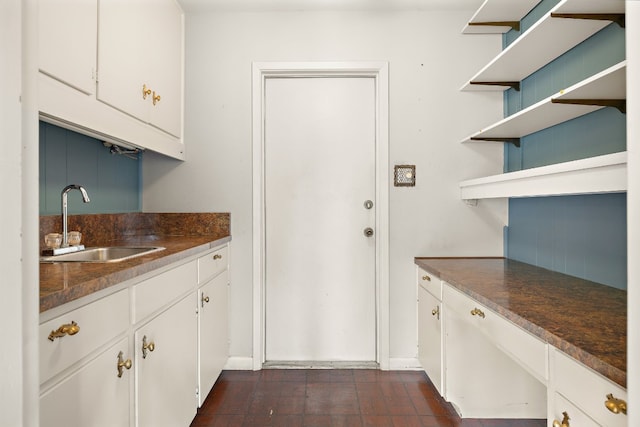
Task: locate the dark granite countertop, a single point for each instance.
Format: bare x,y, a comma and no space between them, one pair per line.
182,236
586,320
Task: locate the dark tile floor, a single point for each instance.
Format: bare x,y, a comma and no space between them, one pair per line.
340,397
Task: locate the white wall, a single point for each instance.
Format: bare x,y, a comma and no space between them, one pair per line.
18,215
428,61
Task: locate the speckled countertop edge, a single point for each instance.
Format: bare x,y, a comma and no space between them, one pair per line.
61,283
545,303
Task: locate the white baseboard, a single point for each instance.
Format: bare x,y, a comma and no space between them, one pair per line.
236,363
404,364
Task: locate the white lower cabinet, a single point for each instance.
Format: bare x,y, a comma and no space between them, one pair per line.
93,396
486,366
430,331
583,394
101,366
165,359
213,335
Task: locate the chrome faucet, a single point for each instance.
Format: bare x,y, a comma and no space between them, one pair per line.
85,199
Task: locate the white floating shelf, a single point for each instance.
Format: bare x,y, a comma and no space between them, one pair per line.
493,11
609,84
600,174
546,40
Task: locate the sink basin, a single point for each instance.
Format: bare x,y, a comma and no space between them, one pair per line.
103,254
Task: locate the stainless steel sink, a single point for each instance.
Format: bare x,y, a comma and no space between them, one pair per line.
103,254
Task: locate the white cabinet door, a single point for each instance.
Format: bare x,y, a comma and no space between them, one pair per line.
67,40
93,396
164,58
430,337
166,376
140,60
213,348
123,42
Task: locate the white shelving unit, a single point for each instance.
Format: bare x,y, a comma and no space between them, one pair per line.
546,40
600,90
600,174
493,12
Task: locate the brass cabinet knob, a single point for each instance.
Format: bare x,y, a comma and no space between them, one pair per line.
204,300
436,312
156,98
122,364
477,312
427,278
66,329
564,422
217,256
145,91
150,346
615,405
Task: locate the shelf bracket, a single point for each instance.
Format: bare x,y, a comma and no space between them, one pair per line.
618,18
620,104
514,141
515,25
512,85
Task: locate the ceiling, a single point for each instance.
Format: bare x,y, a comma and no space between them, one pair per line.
304,5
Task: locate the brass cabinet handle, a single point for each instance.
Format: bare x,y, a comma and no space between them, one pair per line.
145,91
427,278
436,312
66,329
564,423
615,405
122,364
147,347
217,256
156,98
478,312
204,300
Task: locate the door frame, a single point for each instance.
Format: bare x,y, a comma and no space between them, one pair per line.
378,70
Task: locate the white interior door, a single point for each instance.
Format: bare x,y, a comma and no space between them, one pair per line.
320,292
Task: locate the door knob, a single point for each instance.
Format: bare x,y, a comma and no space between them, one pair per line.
368,204
368,231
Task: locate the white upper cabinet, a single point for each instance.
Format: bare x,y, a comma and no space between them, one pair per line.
113,70
140,57
67,42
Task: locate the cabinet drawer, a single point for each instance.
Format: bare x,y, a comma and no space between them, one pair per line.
212,264
430,282
98,323
576,416
158,291
529,351
587,389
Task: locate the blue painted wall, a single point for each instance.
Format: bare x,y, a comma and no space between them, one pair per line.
584,236
112,181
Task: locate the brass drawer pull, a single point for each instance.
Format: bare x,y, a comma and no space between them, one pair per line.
145,91
427,278
156,98
436,312
204,300
478,312
122,364
615,405
564,423
66,329
147,347
217,256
